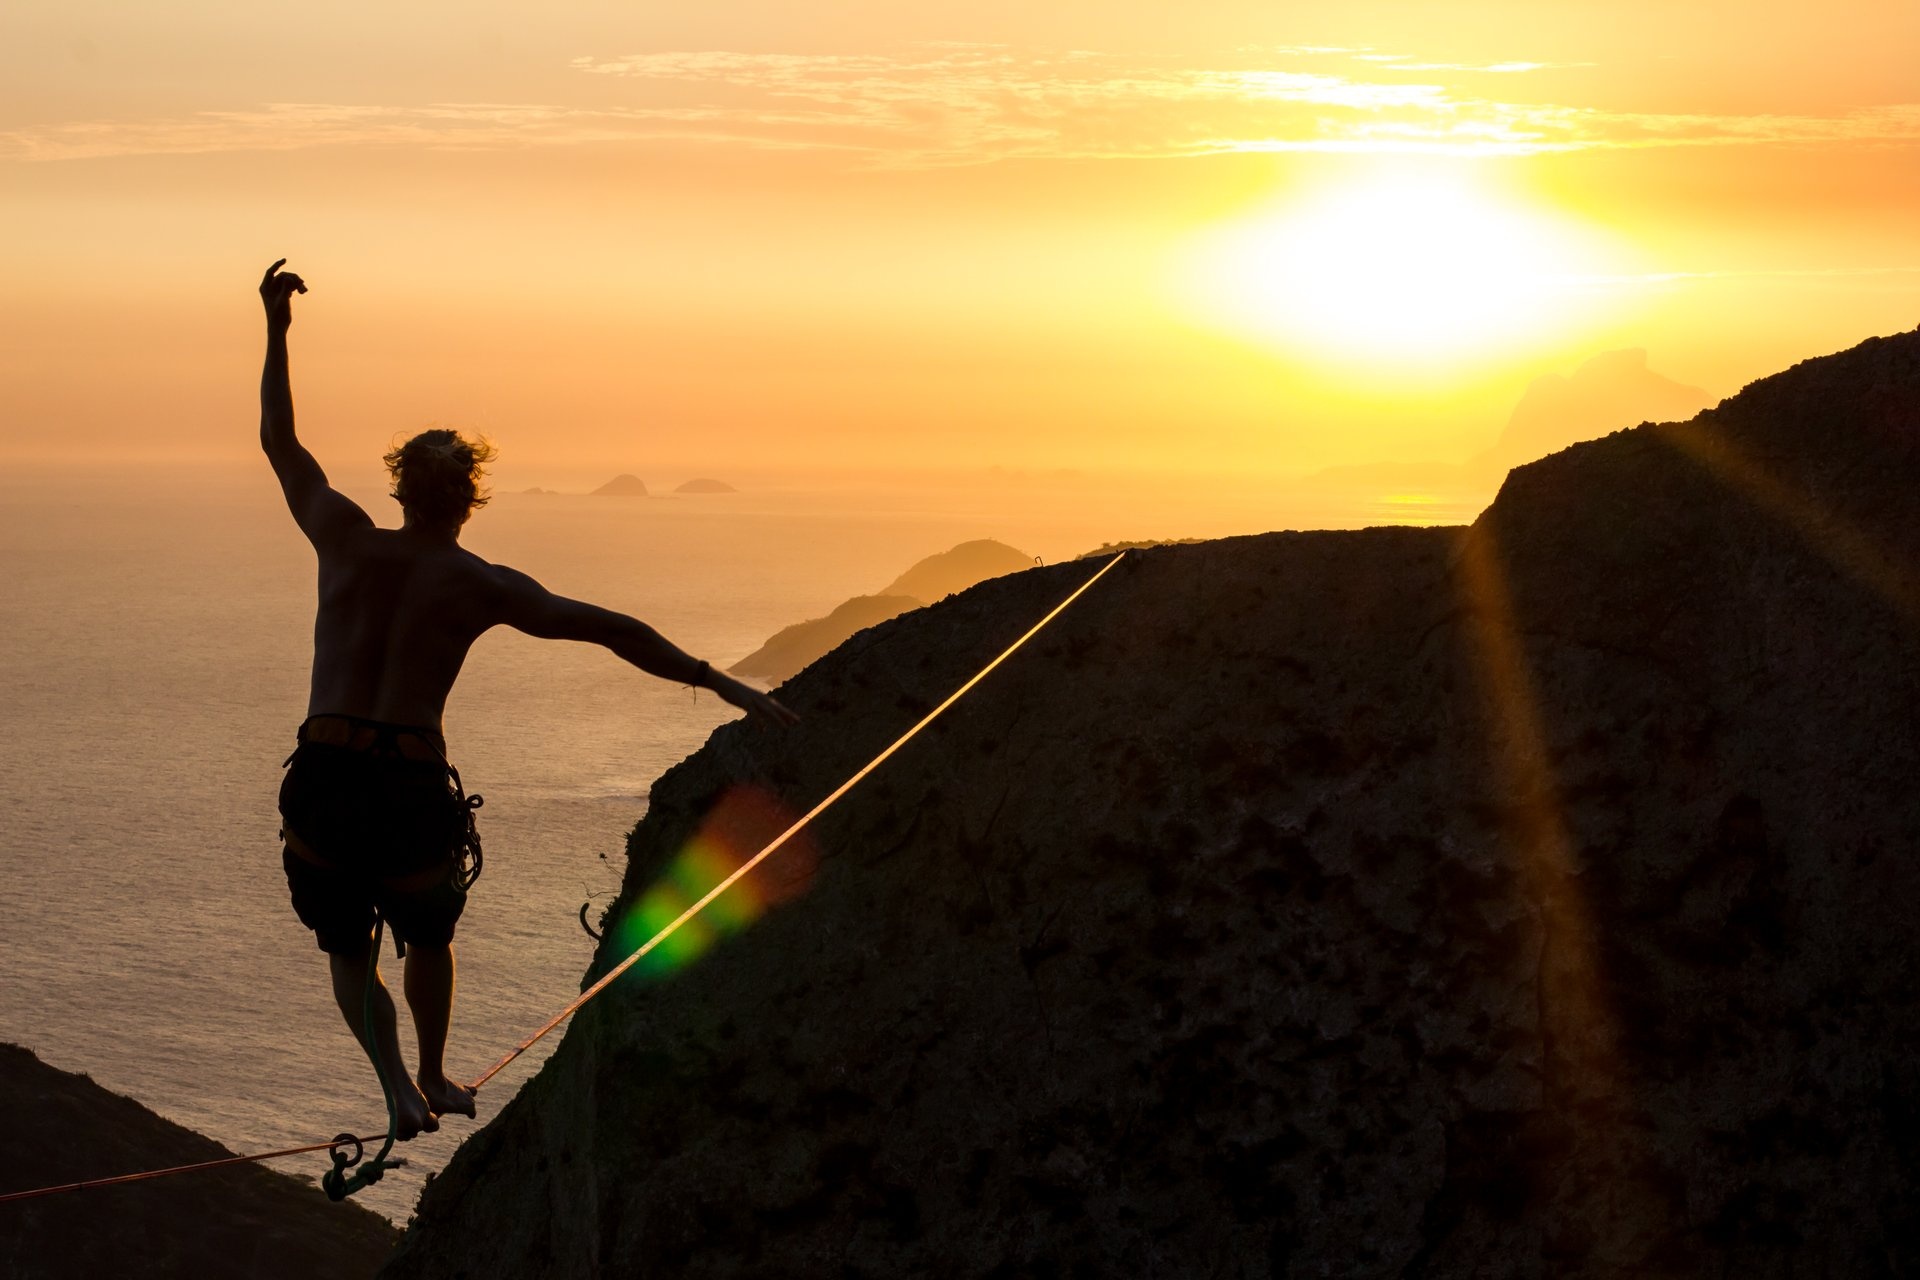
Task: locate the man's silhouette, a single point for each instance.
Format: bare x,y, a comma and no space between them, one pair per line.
372,819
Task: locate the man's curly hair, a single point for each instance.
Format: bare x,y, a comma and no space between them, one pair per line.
437,475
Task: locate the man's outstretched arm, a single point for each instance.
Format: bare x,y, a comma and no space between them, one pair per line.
319,510
530,607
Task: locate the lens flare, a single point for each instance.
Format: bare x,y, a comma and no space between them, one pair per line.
739,826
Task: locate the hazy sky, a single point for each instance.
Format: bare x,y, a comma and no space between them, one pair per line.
1203,236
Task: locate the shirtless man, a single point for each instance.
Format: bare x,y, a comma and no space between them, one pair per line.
372,816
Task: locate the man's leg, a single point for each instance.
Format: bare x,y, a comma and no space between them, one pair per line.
350,977
429,987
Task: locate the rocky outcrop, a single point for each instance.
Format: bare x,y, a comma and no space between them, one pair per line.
705,485
622,486
1526,900
240,1221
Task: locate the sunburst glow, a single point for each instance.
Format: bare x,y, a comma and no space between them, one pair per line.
1401,266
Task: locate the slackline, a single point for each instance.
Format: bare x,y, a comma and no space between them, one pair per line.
334,1147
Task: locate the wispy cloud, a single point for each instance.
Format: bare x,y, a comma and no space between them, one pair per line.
955,103
294,126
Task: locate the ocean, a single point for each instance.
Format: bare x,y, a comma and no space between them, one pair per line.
154,646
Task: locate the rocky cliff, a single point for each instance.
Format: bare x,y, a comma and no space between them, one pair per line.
1535,899
242,1221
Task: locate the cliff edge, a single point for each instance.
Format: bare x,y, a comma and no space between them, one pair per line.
1521,900
240,1221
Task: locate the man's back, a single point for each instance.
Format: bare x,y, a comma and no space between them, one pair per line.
398,611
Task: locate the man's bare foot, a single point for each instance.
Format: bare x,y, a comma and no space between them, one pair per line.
413,1115
444,1096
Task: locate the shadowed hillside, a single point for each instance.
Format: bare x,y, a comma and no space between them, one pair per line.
934,578
242,1221
791,648
1533,899
939,576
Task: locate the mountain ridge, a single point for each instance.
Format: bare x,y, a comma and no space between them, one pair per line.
1514,899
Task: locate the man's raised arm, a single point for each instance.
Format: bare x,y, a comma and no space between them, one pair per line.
319,510
527,606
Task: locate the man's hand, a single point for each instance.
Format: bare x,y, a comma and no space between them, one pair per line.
757,705
277,288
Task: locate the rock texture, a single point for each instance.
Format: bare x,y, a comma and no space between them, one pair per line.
244,1221
1531,900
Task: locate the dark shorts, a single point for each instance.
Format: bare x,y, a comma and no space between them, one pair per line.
372,824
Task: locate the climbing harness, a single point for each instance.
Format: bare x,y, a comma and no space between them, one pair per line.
467,857
384,741
337,1181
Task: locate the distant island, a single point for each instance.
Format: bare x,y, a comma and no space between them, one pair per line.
929,581
622,486
632,486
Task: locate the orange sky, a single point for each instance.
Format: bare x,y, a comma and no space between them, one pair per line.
943,236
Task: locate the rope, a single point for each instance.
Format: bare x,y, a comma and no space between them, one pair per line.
380,1163
91,1183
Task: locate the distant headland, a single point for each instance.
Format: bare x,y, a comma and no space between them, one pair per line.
930,580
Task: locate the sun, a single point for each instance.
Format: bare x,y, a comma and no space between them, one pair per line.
1401,266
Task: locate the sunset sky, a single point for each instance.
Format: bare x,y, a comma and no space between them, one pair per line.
1144,236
